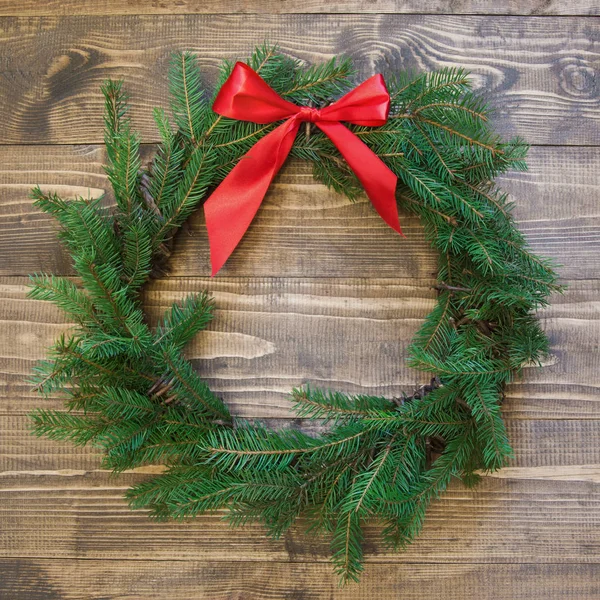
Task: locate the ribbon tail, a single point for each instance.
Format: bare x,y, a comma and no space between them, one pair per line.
232,206
378,180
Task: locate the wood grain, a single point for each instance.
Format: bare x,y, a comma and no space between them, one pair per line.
35,579
270,335
165,7
545,450
302,229
318,291
542,72
501,521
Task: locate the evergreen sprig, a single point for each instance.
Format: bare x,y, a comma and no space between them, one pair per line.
131,392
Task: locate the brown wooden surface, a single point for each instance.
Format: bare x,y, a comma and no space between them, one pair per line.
302,228
179,580
542,72
165,7
318,291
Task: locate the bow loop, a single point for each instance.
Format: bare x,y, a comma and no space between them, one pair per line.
247,97
367,104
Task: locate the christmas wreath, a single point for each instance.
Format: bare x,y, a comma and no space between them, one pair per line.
131,392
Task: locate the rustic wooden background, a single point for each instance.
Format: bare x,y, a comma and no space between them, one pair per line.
320,291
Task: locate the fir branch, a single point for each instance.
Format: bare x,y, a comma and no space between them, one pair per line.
166,167
187,98
184,321
65,294
193,392
196,178
137,255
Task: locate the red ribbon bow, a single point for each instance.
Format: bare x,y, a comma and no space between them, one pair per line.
247,97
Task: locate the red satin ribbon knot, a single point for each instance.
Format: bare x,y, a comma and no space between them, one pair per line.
247,97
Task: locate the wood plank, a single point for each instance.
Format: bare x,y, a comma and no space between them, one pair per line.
270,335
540,73
545,450
500,521
302,228
166,7
34,579
69,171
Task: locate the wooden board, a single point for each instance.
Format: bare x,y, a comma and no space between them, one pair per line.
549,449
542,509
302,229
66,514
270,335
530,520
318,291
182,580
541,71
165,7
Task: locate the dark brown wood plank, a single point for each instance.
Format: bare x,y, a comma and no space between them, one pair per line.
303,229
34,579
528,520
270,335
166,7
540,72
